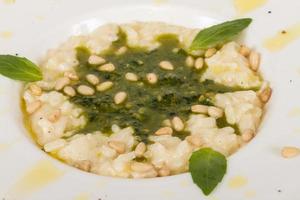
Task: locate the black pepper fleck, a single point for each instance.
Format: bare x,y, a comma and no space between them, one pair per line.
279,190
283,32
269,11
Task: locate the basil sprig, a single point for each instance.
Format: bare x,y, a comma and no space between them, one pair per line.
219,34
19,68
207,168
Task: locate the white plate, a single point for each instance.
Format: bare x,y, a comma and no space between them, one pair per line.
256,172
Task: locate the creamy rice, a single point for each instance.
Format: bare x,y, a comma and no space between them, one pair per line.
55,119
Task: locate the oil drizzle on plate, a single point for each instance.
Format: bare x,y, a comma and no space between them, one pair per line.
159,2
213,198
38,176
82,196
283,38
184,183
40,18
9,1
168,193
237,182
6,35
245,6
3,147
295,112
250,194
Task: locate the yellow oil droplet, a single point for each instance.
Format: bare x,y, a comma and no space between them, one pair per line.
101,184
168,193
82,196
38,176
3,147
250,194
297,130
40,18
295,112
159,2
213,198
237,182
245,6
184,183
9,1
6,34
283,38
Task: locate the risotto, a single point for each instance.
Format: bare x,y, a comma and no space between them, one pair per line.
133,101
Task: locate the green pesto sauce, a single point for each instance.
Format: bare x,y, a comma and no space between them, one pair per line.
146,105
222,123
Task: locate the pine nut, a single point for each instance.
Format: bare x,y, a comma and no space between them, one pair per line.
166,65
164,172
54,117
177,124
85,90
290,152
71,75
141,167
199,63
248,135
265,95
118,146
152,78
215,112
109,67
245,51
121,51
96,60
140,149
254,60
210,52
120,97
33,107
140,62
35,90
68,90
92,79
194,140
104,86
54,145
203,109
115,128
61,83
190,61
148,174
175,50
164,131
131,76
167,123
84,165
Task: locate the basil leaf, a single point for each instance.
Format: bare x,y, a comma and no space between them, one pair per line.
207,168
18,68
218,34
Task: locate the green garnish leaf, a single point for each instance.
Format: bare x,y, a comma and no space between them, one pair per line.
18,68
219,34
207,168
